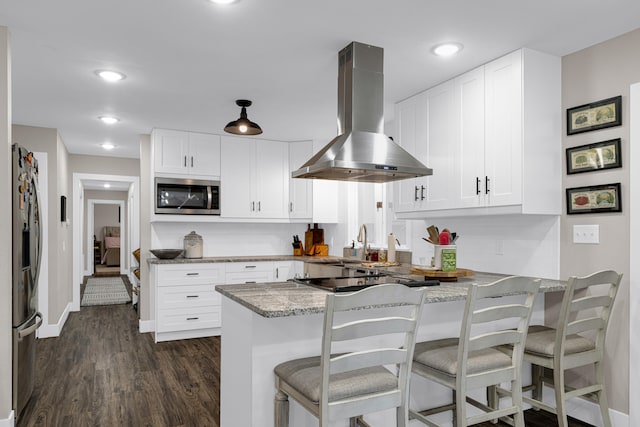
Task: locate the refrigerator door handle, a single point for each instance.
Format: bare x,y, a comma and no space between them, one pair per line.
22,333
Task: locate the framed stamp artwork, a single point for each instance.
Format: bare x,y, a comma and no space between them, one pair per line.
593,157
594,116
594,199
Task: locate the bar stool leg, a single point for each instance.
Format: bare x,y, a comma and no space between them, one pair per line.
561,406
516,399
602,395
281,412
536,380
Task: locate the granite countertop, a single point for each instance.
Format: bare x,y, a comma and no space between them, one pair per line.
312,259
284,299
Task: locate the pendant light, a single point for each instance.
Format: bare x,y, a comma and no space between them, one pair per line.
243,126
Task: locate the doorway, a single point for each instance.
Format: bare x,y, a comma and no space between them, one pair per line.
81,248
106,233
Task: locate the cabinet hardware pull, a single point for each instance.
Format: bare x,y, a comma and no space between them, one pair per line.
250,266
487,181
193,274
251,281
185,161
290,206
193,296
477,186
253,206
191,161
192,318
422,188
258,206
415,193
277,275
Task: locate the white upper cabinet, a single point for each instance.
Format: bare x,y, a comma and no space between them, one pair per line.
254,178
441,151
411,134
469,98
300,190
489,135
186,154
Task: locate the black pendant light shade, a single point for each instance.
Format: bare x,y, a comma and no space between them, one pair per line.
243,126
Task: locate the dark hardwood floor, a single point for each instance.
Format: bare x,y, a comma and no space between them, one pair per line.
102,372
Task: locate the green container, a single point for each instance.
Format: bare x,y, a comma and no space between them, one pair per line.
449,259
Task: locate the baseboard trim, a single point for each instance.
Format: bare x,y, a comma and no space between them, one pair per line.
54,330
145,326
8,422
587,411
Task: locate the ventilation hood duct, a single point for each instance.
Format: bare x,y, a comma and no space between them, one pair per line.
361,152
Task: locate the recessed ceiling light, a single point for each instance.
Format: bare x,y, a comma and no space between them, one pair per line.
107,185
108,146
110,76
447,49
109,119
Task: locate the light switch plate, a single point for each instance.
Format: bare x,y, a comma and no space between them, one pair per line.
586,234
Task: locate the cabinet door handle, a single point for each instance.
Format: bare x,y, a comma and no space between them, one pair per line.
477,186
251,281
422,188
193,274
277,273
415,193
191,161
253,206
185,161
192,318
290,206
487,182
250,266
258,206
193,296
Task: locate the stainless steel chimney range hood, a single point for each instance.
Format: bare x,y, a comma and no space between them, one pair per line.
361,152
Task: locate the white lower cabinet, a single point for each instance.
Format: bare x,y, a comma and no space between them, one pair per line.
186,302
249,272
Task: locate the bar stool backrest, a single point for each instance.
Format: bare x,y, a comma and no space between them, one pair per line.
368,319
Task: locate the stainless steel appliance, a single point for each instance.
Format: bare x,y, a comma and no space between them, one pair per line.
361,151
349,277
27,243
187,196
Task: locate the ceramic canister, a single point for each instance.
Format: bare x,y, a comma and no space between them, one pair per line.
193,245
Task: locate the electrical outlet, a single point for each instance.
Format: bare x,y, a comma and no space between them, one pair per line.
586,234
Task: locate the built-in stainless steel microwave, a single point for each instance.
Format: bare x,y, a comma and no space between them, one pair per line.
187,196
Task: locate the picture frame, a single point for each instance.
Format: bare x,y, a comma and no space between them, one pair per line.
596,156
594,199
593,116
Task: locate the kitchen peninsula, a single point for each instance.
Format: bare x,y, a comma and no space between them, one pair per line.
268,323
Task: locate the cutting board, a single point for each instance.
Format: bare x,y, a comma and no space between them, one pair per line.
443,276
313,236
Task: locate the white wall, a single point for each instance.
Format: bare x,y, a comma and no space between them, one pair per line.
525,245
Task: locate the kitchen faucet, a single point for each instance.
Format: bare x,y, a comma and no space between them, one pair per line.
362,238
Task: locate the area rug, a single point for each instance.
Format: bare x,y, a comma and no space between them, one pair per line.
105,291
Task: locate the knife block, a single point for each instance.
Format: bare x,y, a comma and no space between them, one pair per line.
299,251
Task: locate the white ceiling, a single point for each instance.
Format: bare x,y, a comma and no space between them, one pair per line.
187,61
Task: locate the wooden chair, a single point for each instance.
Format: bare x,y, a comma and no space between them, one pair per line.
578,340
474,360
354,381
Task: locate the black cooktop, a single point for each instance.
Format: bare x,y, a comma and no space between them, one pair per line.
351,284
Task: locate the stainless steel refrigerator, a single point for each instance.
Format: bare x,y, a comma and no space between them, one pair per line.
27,244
